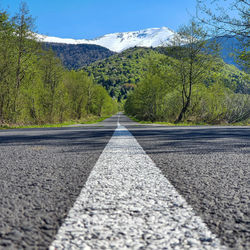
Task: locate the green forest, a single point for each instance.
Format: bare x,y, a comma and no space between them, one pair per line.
120,73
34,86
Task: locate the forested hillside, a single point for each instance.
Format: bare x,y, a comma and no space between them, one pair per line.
34,86
229,46
120,73
75,56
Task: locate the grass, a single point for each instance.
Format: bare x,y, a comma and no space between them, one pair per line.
94,120
86,120
185,123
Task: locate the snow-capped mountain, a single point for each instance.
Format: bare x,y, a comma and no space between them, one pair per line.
118,42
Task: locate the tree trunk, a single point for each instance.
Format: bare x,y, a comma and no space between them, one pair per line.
183,111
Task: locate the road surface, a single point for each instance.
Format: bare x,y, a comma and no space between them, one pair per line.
122,185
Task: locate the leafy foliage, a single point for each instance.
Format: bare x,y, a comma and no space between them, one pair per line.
120,73
158,97
34,86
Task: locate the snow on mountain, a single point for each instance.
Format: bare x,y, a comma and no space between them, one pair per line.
118,42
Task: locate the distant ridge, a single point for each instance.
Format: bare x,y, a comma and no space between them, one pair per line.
74,52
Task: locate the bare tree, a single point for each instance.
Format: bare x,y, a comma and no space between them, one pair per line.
230,17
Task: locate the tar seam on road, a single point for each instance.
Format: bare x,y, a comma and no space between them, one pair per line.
128,204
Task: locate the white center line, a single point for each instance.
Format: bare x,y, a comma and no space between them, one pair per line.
128,204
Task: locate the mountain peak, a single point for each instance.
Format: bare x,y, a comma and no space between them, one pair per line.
151,37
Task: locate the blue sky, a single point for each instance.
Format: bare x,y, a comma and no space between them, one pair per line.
93,18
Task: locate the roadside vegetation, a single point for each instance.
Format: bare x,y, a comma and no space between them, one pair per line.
190,84
86,120
35,89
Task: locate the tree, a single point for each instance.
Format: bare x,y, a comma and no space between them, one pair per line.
226,17
51,74
75,84
26,46
34,86
89,90
148,100
6,61
194,58
100,98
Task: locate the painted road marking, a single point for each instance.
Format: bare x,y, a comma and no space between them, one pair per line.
128,204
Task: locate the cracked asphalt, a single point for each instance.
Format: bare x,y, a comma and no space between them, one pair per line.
42,172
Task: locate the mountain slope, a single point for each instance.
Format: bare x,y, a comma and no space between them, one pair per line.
121,72
118,42
230,46
79,55
66,49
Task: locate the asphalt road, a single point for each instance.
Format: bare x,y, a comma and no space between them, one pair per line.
210,168
42,172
